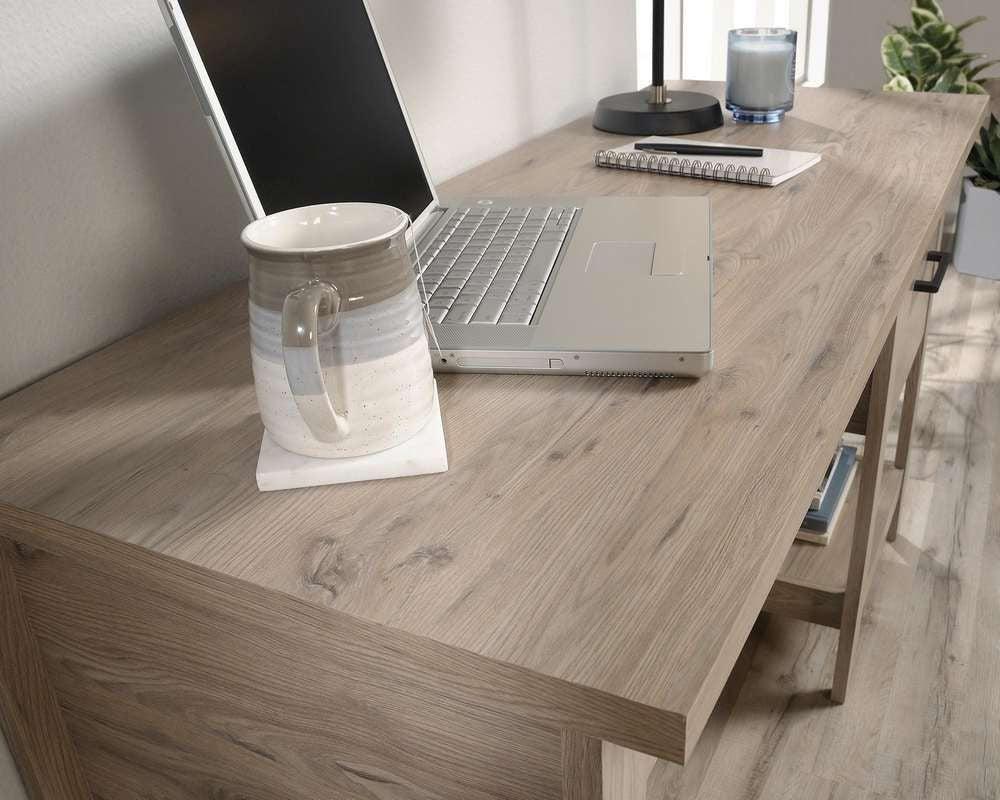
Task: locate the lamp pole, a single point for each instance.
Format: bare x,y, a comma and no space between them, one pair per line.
658,93
658,111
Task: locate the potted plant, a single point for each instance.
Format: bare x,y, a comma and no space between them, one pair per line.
929,55
977,241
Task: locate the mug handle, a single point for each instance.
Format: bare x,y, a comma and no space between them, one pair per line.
300,349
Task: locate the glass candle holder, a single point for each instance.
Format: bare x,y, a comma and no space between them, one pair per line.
760,73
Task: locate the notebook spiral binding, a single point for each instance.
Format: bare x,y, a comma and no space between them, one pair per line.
685,167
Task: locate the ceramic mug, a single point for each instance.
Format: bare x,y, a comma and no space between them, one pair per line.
339,349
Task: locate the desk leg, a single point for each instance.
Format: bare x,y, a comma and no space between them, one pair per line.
906,424
581,764
864,548
29,712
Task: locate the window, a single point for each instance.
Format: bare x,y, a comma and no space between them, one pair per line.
696,32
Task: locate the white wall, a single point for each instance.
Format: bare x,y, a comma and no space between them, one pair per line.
115,207
481,76
857,28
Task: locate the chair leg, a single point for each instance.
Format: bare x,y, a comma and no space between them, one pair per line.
864,548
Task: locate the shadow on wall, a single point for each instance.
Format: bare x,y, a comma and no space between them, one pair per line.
117,209
185,173
481,78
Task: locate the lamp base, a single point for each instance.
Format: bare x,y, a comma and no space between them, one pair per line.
684,112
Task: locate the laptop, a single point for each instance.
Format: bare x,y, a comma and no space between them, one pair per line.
305,109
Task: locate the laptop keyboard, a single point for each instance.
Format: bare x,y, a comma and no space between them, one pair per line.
489,265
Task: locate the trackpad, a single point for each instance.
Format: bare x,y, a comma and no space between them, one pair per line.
622,258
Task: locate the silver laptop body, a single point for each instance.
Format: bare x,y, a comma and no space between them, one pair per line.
602,285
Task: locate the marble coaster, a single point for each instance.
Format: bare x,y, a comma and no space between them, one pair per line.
424,454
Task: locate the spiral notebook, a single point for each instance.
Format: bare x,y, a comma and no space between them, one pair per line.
774,167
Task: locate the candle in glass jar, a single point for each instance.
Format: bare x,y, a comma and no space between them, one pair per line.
760,75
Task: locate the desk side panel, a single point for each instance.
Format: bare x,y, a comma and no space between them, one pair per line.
439,677
190,694
29,713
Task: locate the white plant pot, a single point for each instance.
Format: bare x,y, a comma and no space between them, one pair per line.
977,240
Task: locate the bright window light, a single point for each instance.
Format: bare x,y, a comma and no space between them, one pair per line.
696,32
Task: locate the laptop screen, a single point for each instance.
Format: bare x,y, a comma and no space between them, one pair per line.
309,101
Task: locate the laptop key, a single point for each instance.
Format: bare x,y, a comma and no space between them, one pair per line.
516,315
460,313
504,285
489,265
487,314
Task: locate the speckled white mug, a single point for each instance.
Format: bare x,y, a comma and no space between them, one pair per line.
338,345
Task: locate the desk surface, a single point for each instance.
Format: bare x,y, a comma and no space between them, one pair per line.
620,535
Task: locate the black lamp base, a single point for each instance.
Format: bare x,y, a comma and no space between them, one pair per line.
687,112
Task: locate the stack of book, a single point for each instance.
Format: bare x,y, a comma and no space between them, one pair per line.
824,510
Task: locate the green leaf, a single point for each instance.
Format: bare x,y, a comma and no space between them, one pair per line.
968,23
988,152
975,69
962,60
921,16
953,51
974,88
923,59
984,165
994,145
983,183
940,35
895,51
946,81
984,142
899,83
929,5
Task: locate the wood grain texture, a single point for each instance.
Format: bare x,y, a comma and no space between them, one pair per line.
908,416
590,531
866,539
922,719
581,767
824,569
923,716
814,580
30,717
806,602
911,324
179,684
474,680
630,775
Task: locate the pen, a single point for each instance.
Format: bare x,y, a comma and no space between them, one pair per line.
681,149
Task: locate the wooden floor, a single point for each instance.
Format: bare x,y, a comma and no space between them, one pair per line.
923,716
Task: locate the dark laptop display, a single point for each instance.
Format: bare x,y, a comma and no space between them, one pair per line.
310,103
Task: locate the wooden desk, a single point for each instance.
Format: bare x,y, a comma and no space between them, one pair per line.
587,571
